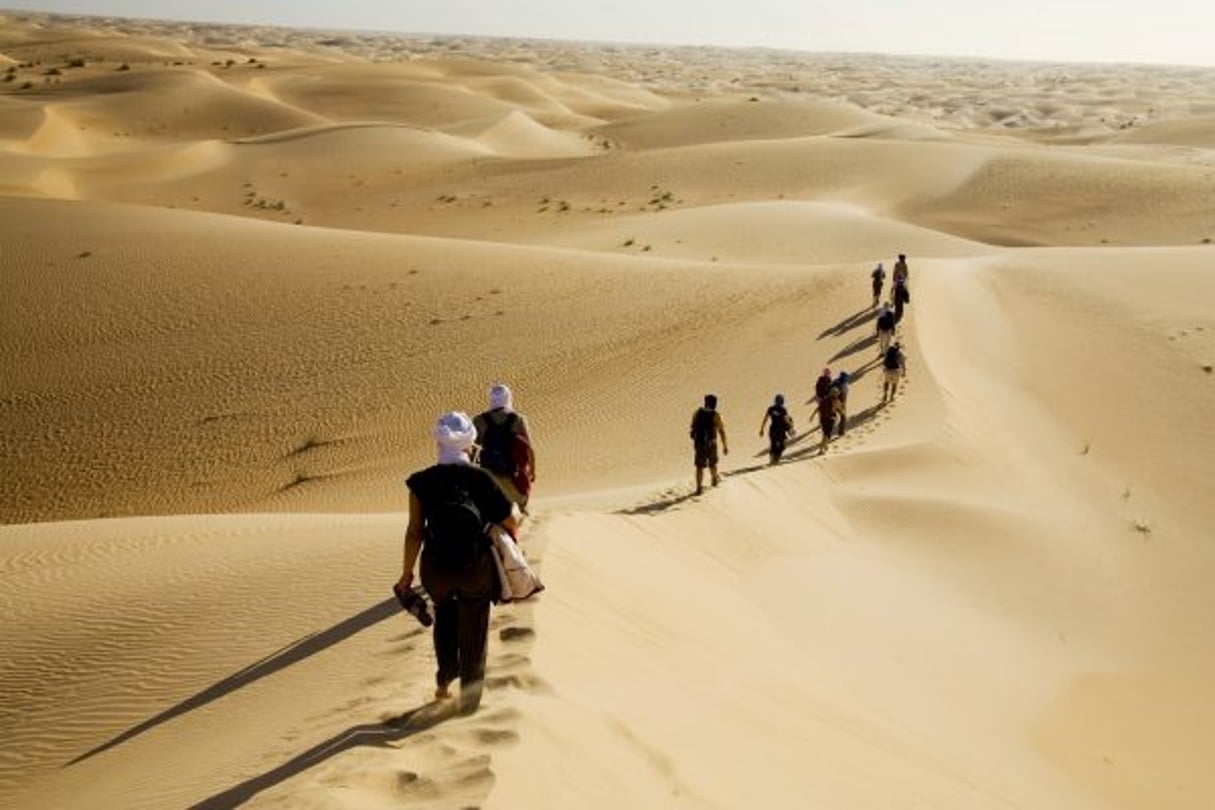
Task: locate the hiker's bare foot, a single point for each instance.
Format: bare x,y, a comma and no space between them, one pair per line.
443,693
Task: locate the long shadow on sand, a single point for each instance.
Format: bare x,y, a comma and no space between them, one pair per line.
292,654
378,735
799,448
854,422
851,322
861,343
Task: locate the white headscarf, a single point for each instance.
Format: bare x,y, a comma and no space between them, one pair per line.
501,397
455,434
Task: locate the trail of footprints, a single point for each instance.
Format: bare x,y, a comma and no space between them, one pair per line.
463,776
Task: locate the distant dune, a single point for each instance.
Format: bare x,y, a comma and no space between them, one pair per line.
245,268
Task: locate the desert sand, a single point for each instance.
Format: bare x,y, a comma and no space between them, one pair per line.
244,269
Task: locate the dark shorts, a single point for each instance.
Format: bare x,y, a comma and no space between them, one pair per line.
706,455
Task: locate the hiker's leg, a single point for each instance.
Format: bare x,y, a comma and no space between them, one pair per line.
446,638
700,478
713,476
474,638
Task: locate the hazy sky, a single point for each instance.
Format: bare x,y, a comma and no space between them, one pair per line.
1169,31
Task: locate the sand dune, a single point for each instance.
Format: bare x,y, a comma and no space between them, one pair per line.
245,268
1195,132
794,233
1022,199
715,121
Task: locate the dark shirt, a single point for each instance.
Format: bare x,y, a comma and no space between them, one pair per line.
432,483
705,425
821,386
778,428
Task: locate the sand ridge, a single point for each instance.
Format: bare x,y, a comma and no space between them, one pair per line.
244,268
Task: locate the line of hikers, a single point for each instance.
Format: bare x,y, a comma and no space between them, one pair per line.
830,393
483,476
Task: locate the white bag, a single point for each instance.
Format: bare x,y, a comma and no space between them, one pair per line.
518,579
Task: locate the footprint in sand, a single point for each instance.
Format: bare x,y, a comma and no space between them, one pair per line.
513,634
495,736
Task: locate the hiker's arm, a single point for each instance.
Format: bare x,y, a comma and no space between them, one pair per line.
763,424
721,431
413,540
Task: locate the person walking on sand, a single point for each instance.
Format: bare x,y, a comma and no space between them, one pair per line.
885,328
841,385
900,287
780,428
506,446
902,297
821,385
879,277
450,505
707,426
894,368
829,408
900,273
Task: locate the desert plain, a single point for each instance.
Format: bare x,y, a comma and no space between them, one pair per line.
242,270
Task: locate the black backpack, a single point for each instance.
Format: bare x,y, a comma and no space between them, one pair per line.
496,451
455,531
704,427
893,360
781,424
885,321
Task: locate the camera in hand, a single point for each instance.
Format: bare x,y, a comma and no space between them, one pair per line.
414,603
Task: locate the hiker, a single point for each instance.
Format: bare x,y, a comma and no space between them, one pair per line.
900,272
450,505
828,411
780,428
902,296
706,427
894,368
900,286
506,447
885,328
841,384
879,277
821,385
